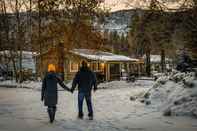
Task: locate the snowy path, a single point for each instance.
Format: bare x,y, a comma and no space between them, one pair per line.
21,110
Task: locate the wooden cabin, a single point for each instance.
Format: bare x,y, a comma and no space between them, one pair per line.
106,65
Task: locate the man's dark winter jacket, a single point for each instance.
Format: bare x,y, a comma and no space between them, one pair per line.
49,89
85,79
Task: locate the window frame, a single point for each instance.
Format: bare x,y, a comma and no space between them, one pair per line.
70,65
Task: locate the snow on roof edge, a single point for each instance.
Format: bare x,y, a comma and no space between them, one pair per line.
101,55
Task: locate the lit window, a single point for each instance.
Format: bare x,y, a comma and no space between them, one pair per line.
74,66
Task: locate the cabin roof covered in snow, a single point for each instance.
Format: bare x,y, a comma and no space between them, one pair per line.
101,55
26,54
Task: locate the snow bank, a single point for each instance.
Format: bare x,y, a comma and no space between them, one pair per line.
125,84
175,94
26,84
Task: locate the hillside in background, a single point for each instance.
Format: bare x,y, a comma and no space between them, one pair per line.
118,21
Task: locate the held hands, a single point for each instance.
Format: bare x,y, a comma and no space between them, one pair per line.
42,98
71,90
95,89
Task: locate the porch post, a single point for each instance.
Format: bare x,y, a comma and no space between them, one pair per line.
128,70
107,71
120,69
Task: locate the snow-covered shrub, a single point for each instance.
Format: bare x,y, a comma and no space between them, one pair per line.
182,100
147,102
132,98
167,112
156,85
163,80
194,113
194,92
188,81
185,108
147,95
160,81
177,77
157,75
2,78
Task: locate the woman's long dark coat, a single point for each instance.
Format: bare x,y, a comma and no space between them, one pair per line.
49,89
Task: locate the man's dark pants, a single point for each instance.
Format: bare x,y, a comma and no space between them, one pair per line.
87,96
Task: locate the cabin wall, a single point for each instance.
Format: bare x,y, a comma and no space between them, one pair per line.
98,67
52,57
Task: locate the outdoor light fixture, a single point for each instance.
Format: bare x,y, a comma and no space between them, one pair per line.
102,65
88,64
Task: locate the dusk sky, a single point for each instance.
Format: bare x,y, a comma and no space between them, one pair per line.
115,5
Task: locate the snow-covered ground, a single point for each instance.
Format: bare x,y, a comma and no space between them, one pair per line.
22,110
106,85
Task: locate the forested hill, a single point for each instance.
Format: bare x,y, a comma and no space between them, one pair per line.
118,21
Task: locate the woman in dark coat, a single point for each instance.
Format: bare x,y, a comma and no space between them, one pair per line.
50,92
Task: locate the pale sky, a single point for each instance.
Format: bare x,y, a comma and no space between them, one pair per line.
115,5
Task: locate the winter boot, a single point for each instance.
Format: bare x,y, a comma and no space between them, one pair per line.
51,114
90,116
80,116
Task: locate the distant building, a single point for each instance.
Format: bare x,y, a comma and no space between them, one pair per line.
27,61
156,63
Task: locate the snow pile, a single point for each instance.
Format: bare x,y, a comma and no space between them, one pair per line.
175,94
114,84
177,77
32,85
125,84
26,84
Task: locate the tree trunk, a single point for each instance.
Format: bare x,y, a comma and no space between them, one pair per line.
163,63
39,39
18,41
14,66
20,66
148,63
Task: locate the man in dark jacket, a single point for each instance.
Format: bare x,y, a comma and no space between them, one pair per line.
50,92
85,79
